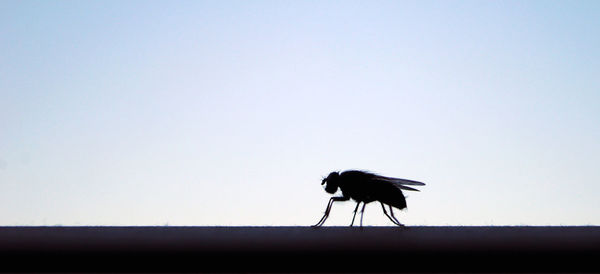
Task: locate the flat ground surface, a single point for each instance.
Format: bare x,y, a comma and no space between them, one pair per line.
305,249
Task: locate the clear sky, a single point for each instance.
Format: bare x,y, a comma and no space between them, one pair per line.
231,112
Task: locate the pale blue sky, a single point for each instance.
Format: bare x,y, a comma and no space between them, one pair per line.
230,112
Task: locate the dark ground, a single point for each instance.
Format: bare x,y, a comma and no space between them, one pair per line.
300,249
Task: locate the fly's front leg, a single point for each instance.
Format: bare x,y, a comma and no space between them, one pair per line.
328,209
326,213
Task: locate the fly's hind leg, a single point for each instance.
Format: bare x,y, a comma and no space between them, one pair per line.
394,220
397,222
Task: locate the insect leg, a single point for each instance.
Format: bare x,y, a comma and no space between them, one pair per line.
327,209
333,199
362,211
397,222
355,209
389,217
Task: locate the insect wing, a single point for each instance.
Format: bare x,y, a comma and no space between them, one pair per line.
400,183
406,187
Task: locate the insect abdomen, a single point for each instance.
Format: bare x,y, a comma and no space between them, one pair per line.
391,195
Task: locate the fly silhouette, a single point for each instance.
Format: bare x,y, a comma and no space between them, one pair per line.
365,187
